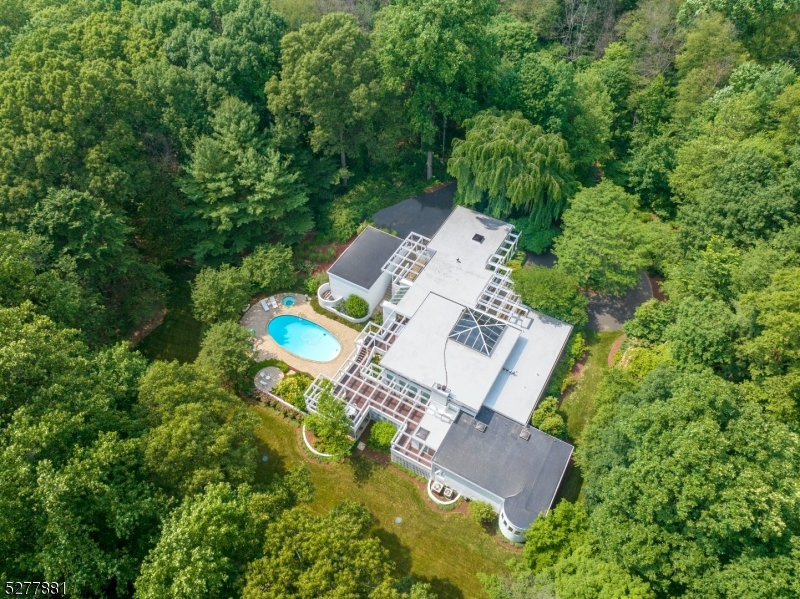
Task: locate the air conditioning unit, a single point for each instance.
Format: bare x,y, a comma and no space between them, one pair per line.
448,492
437,486
524,434
480,426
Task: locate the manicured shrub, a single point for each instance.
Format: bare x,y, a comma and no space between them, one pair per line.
481,512
356,307
381,435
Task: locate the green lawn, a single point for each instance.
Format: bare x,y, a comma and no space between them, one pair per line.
447,550
178,337
578,406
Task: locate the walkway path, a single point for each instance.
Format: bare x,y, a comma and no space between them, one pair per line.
606,312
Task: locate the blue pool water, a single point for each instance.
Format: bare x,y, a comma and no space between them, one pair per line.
304,338
288,300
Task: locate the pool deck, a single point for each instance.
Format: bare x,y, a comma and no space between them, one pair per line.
255,318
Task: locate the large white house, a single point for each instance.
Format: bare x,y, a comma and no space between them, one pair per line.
458,365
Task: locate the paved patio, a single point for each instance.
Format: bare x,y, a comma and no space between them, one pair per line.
266,348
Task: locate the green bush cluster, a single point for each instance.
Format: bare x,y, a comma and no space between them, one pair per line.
381,435
355,307
481,512
562,375
292,389
548,419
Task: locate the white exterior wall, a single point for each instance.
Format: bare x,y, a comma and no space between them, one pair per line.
342,289
466,488
514,535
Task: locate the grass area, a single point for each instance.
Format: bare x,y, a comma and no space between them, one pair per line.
444,549
578,406
178,337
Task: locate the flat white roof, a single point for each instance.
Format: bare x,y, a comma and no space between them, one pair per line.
424,354
458,270
531,361
436,427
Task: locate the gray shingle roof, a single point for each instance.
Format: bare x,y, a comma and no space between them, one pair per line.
526,474
361,263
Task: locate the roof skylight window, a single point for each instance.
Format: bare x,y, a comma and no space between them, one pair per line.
477,331
478,238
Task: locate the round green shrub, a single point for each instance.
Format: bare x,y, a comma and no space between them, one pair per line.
356,307
481,512
292,389
381,435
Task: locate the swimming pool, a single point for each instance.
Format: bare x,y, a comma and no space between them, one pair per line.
304,338
288,300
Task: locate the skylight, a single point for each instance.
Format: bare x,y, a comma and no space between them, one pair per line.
478,238
477,331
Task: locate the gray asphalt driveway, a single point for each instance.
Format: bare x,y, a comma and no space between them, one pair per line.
422,214
606,312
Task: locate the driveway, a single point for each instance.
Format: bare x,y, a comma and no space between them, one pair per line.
606,312
422,214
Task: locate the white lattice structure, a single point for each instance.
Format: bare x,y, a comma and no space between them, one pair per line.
409,259
499,300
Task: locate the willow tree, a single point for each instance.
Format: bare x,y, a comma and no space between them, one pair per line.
512,168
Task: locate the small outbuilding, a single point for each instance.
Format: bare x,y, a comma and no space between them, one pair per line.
358,270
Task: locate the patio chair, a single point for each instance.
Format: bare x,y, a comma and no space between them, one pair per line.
264,305
273,302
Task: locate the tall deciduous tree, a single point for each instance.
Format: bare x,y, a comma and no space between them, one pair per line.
220,294
227,347
199,433
511,166
312,556
327,85
552,292
439,55
270,268
604,239
696,489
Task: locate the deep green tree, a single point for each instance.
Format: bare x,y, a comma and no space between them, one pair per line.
604,239
270,268
548,419
694,489
327,86
227,348
552,292
207,542
330,422
198,432
220,294
241,193
439,55
336,557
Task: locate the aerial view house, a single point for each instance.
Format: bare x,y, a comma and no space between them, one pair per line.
458,364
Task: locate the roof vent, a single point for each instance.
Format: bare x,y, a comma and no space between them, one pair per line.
478,238
524,434
480,426
422,433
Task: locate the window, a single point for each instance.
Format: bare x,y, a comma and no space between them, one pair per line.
477,331
478,238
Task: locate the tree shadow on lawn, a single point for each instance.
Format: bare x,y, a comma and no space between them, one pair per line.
362,468
275,464
401,556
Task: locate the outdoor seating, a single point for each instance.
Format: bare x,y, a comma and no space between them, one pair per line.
264,305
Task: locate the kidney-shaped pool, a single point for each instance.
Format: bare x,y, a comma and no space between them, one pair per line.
304,338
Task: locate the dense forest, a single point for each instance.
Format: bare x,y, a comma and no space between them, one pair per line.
230,136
